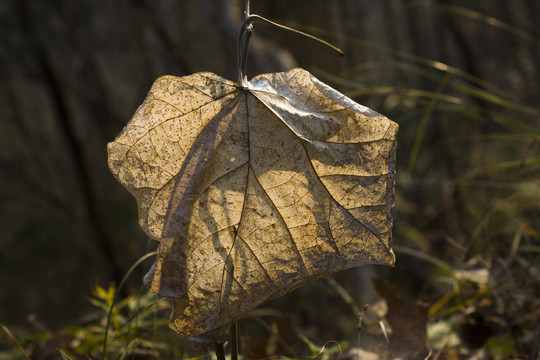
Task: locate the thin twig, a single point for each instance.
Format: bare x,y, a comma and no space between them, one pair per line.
360,319
243,49
220,353
246,30
247,12
335,48
242,46
234,341
14,340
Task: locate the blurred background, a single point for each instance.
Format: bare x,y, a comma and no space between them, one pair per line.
461,78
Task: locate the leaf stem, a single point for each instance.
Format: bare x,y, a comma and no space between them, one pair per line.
234,341
247,12
220,352
246,30
243,47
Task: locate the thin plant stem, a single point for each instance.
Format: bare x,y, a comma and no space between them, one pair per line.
246,30
247,12
284,27
242,47
14,341
234,341
220,352
115,298
360,319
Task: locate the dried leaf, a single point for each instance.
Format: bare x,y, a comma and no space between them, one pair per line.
255,190
407,321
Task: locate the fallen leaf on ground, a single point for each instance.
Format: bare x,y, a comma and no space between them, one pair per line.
254,190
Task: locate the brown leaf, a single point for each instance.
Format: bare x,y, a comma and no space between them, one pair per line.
408,324
255,190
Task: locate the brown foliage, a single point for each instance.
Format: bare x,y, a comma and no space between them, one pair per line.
254,190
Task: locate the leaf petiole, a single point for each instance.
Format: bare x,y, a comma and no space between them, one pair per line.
246,30
234,341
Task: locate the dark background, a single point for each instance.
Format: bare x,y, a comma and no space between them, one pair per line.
461,78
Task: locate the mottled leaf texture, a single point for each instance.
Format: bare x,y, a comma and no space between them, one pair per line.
254,190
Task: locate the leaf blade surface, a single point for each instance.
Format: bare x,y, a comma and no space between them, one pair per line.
254,191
